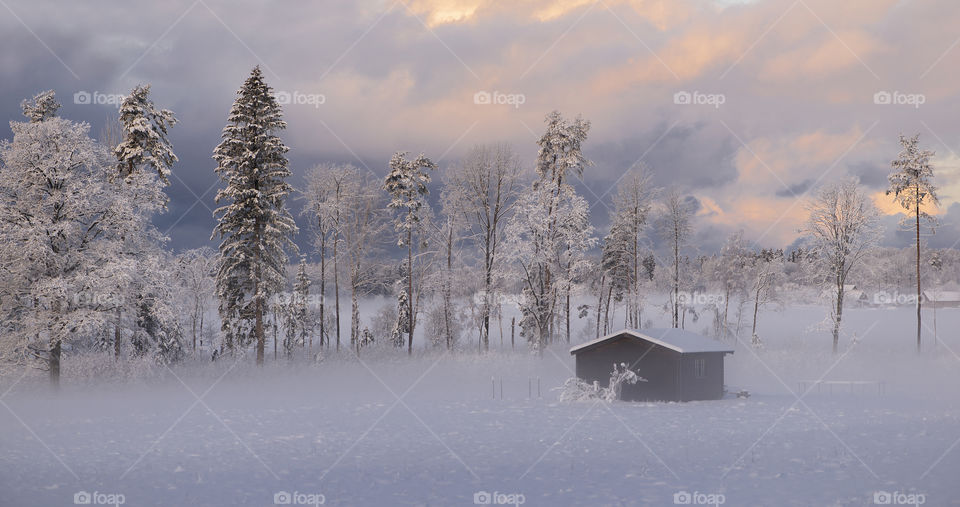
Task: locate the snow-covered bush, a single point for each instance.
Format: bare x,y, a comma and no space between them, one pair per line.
575,389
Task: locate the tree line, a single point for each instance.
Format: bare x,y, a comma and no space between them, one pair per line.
83,266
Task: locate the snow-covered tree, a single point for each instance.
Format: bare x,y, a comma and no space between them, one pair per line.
632,204
407,185
766,273
253,223
547,239
403,318
550,231
843,224
325,195
144,158
144,142
911,184
58,223
730,275
561,151
301,294
482,191
195,270
362,226
616,266
42,107
675,228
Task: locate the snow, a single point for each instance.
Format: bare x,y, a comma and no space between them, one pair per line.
434,429
680,340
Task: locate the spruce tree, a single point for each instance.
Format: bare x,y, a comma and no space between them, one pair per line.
301,294
253,223
407,185
144,158
145,143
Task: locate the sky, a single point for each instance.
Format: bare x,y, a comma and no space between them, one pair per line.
747,106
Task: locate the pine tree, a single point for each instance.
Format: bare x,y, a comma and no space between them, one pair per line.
144,159
145,143
407,185
616,264
253,223
550,231
42,107
912,187
403,318
301,294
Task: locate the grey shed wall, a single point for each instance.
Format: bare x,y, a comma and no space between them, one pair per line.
671,376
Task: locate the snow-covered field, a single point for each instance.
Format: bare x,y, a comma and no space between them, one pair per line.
434,430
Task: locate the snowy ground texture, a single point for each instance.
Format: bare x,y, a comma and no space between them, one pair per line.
428,431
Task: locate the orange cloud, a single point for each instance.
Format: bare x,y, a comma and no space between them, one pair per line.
660,13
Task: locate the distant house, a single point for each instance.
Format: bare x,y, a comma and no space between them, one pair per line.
941,298
678,365
851,295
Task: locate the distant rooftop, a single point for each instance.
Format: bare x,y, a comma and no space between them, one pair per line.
680,340
941,295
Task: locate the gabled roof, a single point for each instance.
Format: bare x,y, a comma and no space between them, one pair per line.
680,340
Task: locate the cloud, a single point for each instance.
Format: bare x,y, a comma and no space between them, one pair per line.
798,79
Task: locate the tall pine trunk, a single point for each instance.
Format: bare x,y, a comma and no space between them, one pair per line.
258,301
336,288
410,292
918,267
323,291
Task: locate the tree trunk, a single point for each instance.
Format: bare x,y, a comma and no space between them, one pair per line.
447,312
726,308
323,291
756,309
606,312
600,303
513,323
567,314
116,338
410,292
838,317
193,322
676,277
918,268
53,363
336,288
